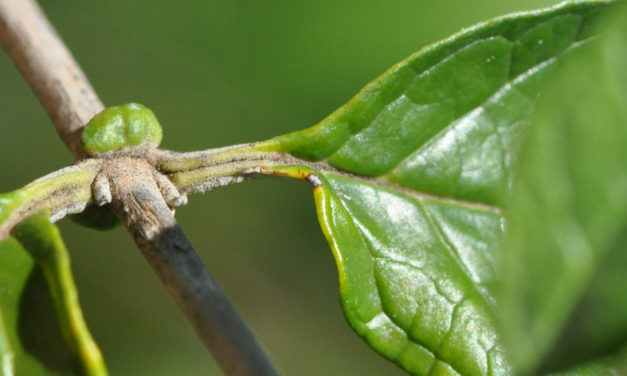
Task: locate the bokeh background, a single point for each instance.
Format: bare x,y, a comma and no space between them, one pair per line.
218,73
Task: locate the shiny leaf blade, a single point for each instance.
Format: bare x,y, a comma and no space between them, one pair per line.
44,330
447,119
404,287
409,177
565,258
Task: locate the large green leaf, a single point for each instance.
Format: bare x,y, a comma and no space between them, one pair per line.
42,331
565,260
408,178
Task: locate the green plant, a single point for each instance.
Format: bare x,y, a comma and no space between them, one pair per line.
416,238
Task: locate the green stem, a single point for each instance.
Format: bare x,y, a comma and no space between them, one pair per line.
204,170
63,192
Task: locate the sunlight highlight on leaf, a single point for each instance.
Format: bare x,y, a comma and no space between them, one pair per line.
413,171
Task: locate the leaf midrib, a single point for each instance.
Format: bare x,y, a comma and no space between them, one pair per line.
382,183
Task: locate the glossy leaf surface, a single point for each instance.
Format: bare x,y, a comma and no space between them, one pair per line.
408,178
565,261
43,332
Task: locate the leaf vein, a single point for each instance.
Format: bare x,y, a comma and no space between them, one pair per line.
359,226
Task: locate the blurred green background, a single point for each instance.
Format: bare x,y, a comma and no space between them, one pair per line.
218,73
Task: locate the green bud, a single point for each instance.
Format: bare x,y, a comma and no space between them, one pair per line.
116,128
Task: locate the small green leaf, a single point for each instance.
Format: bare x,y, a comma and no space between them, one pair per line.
119,127
565,259
408,178
42,330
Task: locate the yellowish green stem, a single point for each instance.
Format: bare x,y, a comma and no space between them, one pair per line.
43,240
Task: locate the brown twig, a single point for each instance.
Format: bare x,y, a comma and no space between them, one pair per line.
164,245
49,68
70,101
